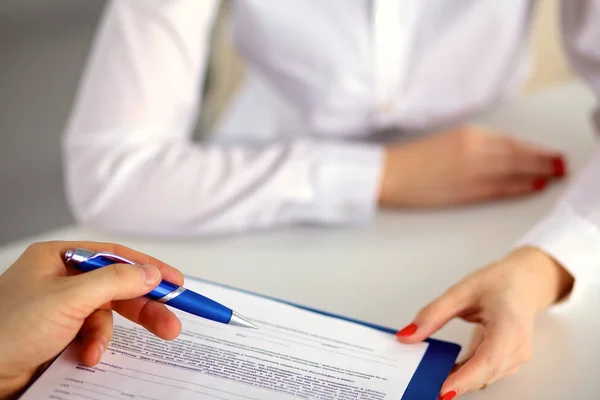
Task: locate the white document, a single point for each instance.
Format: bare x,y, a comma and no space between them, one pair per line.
295,354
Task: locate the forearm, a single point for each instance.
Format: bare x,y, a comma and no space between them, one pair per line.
177,189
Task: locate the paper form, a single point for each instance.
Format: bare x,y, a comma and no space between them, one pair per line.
295,354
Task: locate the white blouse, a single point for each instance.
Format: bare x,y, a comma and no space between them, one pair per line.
329,81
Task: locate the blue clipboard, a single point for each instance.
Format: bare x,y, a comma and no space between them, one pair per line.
433,370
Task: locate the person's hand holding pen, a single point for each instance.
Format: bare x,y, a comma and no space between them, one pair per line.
503,299
465,165
45,304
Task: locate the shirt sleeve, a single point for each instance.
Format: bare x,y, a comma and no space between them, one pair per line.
571,232
130,161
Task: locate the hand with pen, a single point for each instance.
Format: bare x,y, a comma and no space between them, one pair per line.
45,304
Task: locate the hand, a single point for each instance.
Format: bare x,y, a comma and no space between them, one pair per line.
465,165
44,305
503,299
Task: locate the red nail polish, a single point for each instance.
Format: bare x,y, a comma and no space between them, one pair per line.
408,331
540,184
448,396
559,169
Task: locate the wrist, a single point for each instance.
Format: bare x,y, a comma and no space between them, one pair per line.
395,177
554,282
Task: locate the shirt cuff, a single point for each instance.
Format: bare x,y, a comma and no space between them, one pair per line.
574,242
347,179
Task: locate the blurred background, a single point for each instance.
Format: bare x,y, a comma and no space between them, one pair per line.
43,48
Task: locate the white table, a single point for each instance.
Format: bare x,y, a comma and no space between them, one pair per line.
386,272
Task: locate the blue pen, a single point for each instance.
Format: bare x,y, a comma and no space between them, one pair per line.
166,292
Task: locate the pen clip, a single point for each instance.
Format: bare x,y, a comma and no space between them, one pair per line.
113,257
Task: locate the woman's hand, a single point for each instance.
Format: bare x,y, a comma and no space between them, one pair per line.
465,165
503,299
44,305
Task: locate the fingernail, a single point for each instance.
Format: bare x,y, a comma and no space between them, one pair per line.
448,396
540,184
559,169
408,331
151,274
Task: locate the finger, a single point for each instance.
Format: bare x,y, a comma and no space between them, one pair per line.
521,355
437,314
95,333
507,188
474,343
504,374
528,163
113,282
59,248
502,143
519,158
486,365
524,161
152,315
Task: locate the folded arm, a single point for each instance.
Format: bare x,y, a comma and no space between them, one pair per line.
130,160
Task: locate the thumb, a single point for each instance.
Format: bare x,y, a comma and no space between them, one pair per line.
434,316
113,282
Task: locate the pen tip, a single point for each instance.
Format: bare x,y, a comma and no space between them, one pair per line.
238,320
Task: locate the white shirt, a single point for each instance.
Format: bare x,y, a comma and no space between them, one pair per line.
301,142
